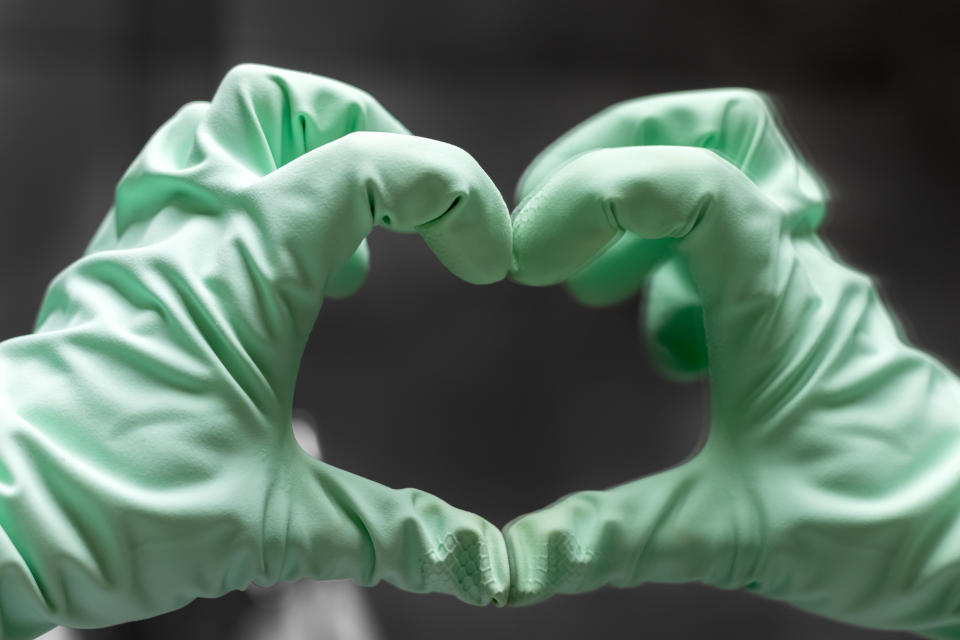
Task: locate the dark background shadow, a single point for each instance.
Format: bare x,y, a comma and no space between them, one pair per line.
500,398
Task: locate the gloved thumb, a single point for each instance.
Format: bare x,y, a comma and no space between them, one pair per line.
673,526
328,523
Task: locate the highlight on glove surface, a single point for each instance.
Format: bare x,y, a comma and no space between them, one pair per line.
146,450
145,435
829,476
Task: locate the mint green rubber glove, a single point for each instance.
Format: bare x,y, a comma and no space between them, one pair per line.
830,477
146,452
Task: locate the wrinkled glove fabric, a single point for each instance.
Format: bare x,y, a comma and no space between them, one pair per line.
146,455
830,477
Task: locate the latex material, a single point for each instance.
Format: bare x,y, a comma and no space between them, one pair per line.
146,454
830,477
738,125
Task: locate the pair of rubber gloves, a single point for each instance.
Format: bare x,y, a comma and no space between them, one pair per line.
146,455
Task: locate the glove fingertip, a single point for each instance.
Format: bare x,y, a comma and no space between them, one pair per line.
473,238
469,562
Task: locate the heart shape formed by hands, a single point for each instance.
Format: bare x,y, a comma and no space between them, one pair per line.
169,355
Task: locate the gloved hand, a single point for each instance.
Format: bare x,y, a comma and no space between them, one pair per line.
146,454
830,477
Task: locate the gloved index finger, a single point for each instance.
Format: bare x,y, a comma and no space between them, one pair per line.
740,125
323,204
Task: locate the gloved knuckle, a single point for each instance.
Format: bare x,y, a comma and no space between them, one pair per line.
354,144
259,80
746,110
243,76
706,164
626,112
751,101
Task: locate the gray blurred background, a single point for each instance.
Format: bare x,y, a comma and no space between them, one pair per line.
500,398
